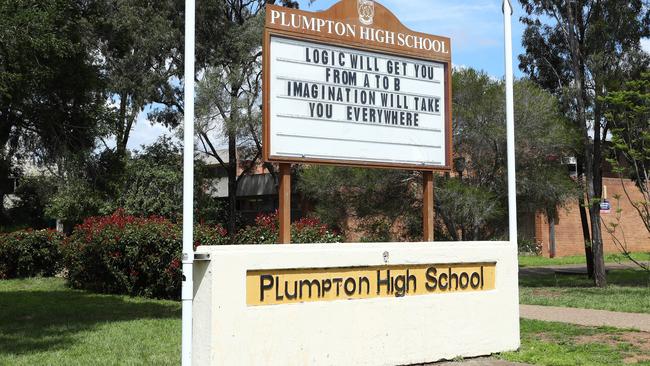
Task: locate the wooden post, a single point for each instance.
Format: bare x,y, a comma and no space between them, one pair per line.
427,206
284,209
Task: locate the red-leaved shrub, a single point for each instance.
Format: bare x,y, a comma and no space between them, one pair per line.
131,255
124,254
306,230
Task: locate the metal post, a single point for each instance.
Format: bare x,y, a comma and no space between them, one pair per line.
510,124
187,290
510,131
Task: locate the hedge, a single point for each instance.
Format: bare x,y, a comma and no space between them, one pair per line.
131,255
125,254
306,230
30,253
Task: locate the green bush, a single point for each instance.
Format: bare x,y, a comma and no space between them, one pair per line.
29,253
529,247
33,195
376,230
125,254
306,230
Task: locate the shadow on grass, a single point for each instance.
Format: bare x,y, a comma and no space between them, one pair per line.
35,321
619,277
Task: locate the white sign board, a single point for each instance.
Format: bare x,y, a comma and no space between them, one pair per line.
339,104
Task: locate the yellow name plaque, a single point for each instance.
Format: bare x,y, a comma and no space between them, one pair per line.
286,286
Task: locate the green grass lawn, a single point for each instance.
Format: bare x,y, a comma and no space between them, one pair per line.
42,322
557,344
628,291
536,261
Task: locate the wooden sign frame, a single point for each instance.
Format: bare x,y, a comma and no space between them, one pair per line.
384,19
347,12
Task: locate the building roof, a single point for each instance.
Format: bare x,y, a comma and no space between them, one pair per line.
249,186
256,185
211,160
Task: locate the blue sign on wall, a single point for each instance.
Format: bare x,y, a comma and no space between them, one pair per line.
605,206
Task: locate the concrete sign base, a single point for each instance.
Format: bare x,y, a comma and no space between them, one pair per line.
354,304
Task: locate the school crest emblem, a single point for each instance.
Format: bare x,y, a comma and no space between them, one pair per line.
366,11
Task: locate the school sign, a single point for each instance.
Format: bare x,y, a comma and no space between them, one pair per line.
352,86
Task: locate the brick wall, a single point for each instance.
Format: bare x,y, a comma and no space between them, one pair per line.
568,228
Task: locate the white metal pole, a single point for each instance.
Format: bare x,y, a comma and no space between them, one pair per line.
187,290
510,124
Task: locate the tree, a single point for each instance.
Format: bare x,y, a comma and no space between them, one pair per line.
138,50
471,207
378,200
152,183
153,180
542,134
51,100
228,52
628,111
228,111
33,193
149,185
228,98
579,49
74,201
467,211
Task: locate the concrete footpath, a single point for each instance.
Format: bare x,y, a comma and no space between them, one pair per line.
571,268
586,317
481,361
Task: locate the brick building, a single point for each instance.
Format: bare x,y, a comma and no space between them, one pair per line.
257,193
568,228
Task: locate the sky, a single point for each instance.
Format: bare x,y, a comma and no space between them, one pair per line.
474,26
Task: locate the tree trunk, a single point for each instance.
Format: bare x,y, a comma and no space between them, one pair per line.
452,230
593,199
127,118
5,161
232,185
592,158
2,206
589,255
551,236
600,276
119,136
